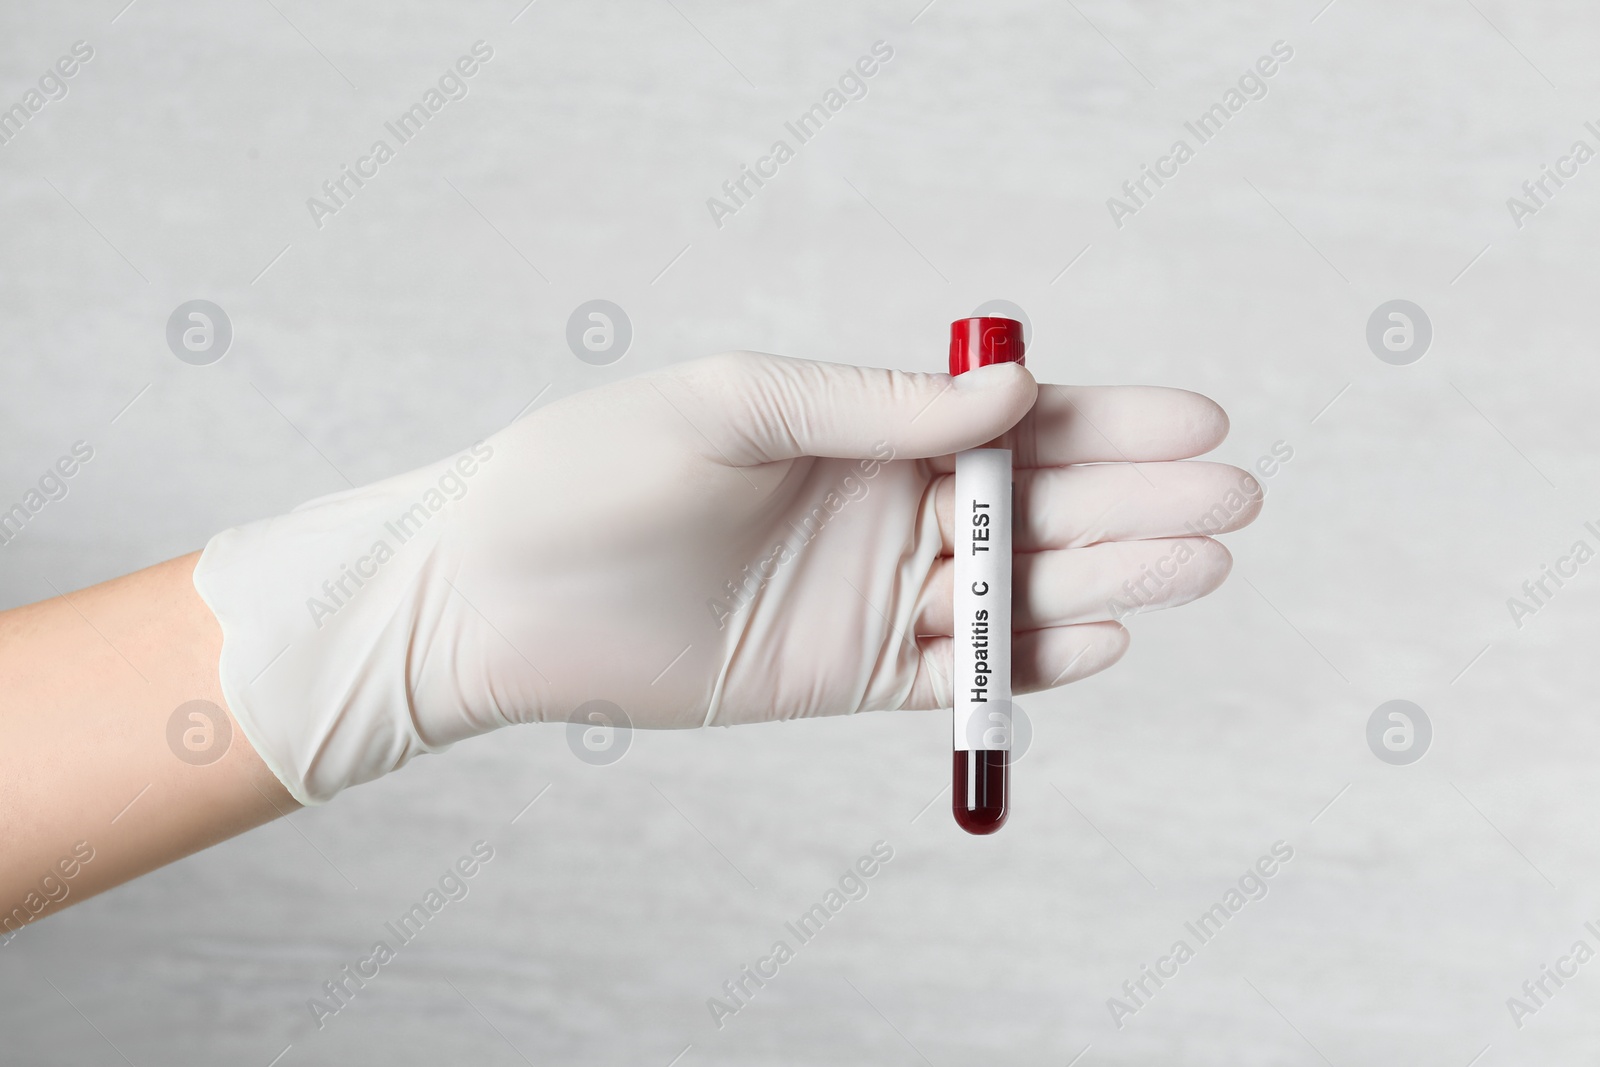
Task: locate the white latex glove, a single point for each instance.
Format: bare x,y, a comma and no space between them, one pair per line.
737,539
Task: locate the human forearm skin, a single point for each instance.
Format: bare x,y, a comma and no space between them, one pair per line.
97,785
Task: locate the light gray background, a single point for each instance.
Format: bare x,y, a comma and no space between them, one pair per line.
432,309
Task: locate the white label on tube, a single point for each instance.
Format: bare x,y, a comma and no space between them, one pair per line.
982,695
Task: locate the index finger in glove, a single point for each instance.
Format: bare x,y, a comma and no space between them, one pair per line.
1109,424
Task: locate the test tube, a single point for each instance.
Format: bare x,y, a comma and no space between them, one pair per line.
981,711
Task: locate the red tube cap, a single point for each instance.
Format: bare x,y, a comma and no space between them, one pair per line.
981,341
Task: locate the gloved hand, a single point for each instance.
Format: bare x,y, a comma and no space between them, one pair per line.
732,540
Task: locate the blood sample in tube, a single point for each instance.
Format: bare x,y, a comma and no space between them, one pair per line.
981,715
